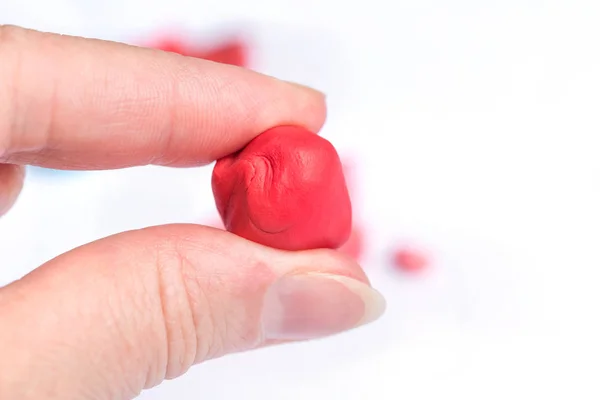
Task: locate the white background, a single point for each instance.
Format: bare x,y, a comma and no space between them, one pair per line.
474,124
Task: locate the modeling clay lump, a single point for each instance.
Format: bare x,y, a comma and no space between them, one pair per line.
285,189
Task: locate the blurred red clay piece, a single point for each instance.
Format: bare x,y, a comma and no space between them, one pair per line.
233,52
410,260
354,247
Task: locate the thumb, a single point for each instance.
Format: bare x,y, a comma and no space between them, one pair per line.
114,317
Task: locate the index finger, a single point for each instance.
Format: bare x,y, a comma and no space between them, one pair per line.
75,103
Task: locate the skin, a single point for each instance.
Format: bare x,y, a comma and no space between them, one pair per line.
119,315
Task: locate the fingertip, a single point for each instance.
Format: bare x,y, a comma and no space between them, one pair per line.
321,260
12,178
311,104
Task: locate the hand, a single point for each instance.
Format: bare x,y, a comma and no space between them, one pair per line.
116,316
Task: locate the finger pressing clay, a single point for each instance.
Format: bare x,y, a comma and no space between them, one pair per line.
285,189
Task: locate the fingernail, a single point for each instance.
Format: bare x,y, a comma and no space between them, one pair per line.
304,87
308,306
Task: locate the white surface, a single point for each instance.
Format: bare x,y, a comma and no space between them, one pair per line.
476,126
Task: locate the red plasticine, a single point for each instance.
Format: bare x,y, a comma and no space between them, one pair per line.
355,245
234,52
285,189
410,260
171,45
349,167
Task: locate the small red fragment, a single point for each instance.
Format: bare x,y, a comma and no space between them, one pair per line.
354,247
410,260
349,166
233,52
171,45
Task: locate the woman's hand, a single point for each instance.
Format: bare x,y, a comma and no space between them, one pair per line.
108,319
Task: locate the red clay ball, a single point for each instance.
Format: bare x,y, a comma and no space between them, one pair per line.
285,189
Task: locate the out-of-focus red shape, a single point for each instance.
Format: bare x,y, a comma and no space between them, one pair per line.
233,52
171,45
410,260
349,167
354,247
